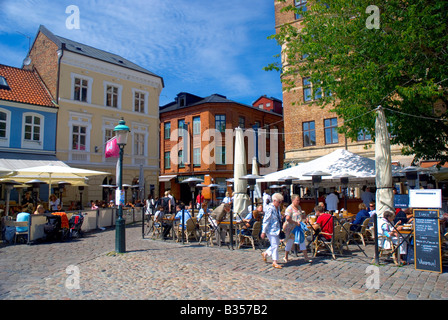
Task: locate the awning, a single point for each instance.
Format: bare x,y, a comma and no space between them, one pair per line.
166,178
14,161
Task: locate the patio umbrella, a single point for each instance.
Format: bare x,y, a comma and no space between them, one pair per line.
257,190
383,165
49,173
241,200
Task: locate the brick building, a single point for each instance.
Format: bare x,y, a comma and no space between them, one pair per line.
205,149
310,131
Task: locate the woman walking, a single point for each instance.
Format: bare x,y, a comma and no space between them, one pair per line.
271,228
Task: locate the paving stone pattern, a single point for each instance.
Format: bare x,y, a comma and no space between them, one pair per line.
166,270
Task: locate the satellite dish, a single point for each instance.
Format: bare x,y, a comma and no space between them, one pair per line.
27,61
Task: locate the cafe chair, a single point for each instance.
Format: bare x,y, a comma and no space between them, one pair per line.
205,230
12,223
362,234
189,231
254,236
336,243
386,248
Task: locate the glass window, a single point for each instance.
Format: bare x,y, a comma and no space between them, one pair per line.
196,125
167,158
220,122
242,122
139,144
364,136
220,155
3,119
80,92
167,130
309,133
32,128
330,128
79,138
181,159
307,90
197,157
181,127
300,6
112,96
139,102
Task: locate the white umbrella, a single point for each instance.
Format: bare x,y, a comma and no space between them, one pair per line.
257,190
241,199
49,173
383,165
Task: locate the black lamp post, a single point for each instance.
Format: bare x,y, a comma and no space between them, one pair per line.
212,187
251,181
61,186
81,190
192,183
122,131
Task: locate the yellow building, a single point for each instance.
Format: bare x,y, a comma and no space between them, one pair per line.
94,90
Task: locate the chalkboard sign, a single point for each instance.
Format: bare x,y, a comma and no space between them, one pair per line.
427,250
401,201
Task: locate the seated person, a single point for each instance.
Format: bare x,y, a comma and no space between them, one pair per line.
362,215
203,210
248,225
22,216
324,222
387,229
179,209
400,216
158,217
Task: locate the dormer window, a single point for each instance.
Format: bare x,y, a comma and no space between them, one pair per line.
4,84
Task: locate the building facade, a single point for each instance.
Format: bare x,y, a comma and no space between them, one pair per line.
205,149
94,89
311,131
28,116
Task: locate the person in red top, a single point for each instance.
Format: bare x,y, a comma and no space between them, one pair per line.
324,222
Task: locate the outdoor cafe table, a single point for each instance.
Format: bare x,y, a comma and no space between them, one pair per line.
226,225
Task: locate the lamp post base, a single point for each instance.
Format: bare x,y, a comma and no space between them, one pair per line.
120,236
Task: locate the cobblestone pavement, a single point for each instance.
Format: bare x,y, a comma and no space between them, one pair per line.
159,270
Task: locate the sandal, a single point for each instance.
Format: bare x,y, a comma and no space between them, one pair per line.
263,255
286,260
277,266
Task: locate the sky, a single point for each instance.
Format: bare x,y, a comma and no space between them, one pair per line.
198,46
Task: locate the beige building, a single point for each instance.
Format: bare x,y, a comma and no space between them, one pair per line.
94,90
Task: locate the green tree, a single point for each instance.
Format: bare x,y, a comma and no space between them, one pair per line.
397,59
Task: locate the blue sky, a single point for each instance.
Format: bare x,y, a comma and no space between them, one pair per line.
198,46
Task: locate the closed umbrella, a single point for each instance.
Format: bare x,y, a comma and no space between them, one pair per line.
257,190
241,200
383,165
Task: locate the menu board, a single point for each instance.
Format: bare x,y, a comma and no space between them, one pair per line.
401,201
427,249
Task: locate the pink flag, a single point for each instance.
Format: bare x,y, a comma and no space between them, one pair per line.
112,149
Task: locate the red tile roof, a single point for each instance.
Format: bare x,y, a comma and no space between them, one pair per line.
25,86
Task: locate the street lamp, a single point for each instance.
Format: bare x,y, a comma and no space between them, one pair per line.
316,178
251,181
121,134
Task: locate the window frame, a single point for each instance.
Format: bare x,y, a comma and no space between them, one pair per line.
332,129
33,143
220,122
308,132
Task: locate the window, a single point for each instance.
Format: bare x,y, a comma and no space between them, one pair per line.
167,130
167,158
32,128
81,90
220,155
330,128
79,138
309,133
308,91
300,6
197,157
108,134
220,122
196,125
111,96
242,122
4,84
181,126
364,136
139,102
180,156
3,124
139,144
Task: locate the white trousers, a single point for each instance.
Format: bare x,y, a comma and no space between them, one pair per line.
273,249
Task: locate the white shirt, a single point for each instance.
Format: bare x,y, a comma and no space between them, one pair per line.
332,201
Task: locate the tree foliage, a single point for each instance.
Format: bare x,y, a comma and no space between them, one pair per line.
402,65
